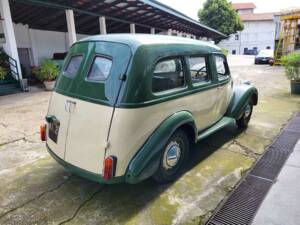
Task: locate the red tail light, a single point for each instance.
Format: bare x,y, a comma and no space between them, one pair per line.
43,132
109,167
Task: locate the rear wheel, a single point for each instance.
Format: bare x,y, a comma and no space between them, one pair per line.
173,159
243,121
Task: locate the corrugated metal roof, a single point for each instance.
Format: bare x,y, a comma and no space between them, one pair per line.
50,15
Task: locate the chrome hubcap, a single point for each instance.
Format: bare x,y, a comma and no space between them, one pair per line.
171,155
247,111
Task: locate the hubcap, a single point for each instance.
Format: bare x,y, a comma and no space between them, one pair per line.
247,111
171,155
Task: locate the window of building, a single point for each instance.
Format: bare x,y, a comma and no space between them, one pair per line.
199,70
73,66
233,52
268,47
221,67
236,37
168,74
100,69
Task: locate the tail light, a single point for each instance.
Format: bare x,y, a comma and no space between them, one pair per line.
43,132
109,167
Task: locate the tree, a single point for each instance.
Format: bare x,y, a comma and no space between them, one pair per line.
220,15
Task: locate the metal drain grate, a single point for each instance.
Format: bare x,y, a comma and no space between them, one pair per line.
241,206
270,164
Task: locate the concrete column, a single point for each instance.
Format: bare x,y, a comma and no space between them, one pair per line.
169,32
71,27
132,28
10,45
33,47
152,30
102,23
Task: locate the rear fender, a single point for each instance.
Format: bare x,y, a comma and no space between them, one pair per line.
146,162
241,95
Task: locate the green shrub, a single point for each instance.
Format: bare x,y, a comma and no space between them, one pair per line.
3,73
291,63
47,71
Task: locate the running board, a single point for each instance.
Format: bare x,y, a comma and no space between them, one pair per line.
219,125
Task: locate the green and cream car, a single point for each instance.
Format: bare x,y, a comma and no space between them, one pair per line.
128,107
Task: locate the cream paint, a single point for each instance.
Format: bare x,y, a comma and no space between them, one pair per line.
224,96
57,108
132,127
86,132
82,140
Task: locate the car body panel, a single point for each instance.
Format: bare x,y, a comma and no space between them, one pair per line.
122,117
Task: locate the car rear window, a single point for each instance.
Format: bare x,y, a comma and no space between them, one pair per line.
73,66
100,69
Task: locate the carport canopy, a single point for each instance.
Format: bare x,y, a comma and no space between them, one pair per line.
144,14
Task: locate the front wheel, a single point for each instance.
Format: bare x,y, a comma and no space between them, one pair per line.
173,159
243,121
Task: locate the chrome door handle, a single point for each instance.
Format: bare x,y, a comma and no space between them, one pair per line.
70,106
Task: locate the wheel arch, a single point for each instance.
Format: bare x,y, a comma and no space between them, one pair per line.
146,161
241,95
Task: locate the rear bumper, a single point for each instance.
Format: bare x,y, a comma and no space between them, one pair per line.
84,173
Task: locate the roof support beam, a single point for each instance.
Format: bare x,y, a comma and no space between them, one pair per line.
102,23
152,30
71,27
132,28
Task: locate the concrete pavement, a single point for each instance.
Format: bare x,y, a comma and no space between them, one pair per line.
282,204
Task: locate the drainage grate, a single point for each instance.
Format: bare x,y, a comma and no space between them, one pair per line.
270,164
241,206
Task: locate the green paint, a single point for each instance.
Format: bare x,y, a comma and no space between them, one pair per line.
146,161
241,95
84,173
219,125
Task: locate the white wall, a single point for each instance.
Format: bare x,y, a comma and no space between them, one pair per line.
41,44
259,34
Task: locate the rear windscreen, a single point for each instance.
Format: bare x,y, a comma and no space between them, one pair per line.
92,69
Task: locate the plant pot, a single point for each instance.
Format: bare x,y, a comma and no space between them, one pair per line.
295,87
49,85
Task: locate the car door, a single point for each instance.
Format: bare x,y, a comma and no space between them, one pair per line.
224,84
206,87
91,113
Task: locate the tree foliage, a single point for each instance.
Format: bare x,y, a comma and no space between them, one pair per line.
220,15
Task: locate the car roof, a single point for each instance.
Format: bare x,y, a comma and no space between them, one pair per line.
136,40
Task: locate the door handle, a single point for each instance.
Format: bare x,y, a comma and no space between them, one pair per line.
70,106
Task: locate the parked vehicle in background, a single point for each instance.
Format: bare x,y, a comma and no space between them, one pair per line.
128,107
264,56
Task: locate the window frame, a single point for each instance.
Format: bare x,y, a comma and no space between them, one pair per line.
227,77
184,71
91,66
68,75
200,84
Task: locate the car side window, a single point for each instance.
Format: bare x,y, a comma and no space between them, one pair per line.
199,69
73,66
100,69
222,68
168,74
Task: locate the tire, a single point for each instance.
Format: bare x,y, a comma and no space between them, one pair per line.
178,147
243,121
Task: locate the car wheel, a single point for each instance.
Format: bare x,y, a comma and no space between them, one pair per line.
174,157
243,121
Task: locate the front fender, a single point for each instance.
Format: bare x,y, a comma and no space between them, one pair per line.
241,94
145,163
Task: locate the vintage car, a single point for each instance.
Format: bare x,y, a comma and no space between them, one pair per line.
128,107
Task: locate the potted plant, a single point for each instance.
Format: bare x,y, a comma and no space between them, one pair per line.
291,63
3,73
47,73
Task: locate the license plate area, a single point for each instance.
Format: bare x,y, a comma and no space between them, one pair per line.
53,130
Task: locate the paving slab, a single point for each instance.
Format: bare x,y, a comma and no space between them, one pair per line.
281,206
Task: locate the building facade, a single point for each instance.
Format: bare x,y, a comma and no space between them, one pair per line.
259,31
